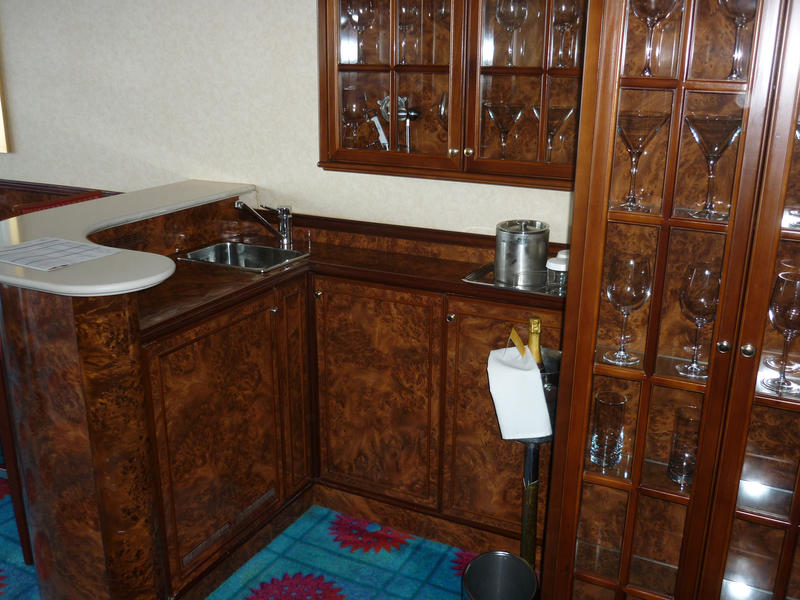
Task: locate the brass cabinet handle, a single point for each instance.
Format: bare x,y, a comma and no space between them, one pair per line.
453,152
468,152
748,350
724,346
450,317
317,293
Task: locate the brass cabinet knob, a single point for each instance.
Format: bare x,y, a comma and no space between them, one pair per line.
453,152
274,310
468,152
450,317
724,346
317,293
748,350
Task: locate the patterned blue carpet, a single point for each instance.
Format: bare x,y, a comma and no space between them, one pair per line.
323,555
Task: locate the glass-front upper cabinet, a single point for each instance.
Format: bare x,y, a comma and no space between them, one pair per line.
665,211
477,91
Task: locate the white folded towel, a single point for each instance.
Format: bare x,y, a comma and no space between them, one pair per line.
516,386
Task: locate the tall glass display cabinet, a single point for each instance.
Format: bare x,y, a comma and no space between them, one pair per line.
478,91
677,444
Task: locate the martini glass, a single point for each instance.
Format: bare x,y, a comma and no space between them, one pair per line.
636,129
784,314
628,286
408,13
713,134
511,16
362,15
651,12
741,12
699,297
504,116
565,18
556,117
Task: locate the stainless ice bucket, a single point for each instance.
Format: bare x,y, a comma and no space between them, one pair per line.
520,256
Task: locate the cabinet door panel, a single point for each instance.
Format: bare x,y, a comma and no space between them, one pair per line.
214,402
379,361
483,472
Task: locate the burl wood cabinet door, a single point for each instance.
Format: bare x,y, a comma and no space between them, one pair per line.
482,472
379,361
215,416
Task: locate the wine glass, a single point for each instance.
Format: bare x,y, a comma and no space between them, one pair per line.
565,18
784,314
636,129
741,12
699,297
408,14
441,110
511,16
775,362
354,111
628,286
557,116
362,15
504,116
651,13
714,134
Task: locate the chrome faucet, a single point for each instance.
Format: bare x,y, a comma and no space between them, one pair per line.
284,230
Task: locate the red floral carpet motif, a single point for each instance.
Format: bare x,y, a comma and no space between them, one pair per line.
2,581
460,562
297,586
4,489
360,534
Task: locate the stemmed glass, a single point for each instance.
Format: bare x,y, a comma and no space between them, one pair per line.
775,362
511,16
713,134
628,286
784,314
408,14
556,117
741,12
362,15
504,116
636,129
441,110
354,110
651,12
565,18
699,297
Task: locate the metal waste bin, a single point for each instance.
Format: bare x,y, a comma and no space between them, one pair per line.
498,576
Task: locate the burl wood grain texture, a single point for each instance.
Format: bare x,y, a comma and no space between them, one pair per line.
666,45
77,409
482,473
753,554
292,357
427,525
601,527
214,396
379,361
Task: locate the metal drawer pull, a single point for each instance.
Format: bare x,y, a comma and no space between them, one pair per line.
724,346
450,317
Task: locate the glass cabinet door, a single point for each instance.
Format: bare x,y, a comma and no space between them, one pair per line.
396,87
667,202
758,521
526,89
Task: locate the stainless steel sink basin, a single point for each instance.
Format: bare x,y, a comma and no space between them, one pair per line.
250,257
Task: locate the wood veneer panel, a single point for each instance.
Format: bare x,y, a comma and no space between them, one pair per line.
379,363
482,473
425,525
77,409
215,413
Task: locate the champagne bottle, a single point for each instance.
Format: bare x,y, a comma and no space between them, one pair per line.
535,341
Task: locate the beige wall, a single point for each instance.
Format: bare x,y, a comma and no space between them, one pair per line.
127,94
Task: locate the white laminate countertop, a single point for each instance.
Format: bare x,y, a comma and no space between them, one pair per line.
126,271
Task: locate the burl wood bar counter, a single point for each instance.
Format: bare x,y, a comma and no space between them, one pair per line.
77,401
171,418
